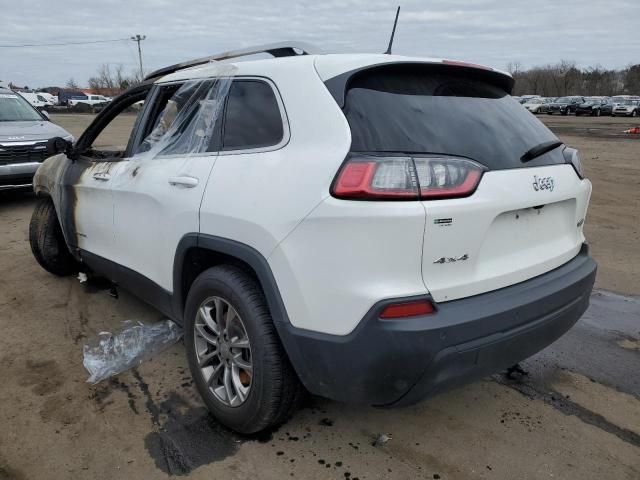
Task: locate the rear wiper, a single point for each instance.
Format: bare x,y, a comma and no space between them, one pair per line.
540,150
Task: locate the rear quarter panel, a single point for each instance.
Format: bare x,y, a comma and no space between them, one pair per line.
258,198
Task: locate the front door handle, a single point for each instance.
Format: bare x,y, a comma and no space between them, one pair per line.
188,182
102,176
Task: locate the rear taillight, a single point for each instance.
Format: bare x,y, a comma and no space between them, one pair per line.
406,178
408,309
447,177
375,178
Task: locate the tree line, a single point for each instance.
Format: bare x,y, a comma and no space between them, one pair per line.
552,80
565,78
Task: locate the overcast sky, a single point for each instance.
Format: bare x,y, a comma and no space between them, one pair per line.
493,32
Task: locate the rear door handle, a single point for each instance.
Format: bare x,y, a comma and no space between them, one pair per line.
101,176
188,182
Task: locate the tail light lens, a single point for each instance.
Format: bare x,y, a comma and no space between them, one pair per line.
375,178
447,177
406,178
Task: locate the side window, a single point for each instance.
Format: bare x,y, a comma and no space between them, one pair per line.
184,117
252,117
111,142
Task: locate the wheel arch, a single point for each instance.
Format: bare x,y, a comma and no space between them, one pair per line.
198,252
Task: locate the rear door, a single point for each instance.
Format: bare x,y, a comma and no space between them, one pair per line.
158,191
525,217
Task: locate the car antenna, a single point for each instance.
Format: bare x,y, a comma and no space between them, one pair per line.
393,32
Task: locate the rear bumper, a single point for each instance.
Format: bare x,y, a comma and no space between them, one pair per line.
399,362
17,175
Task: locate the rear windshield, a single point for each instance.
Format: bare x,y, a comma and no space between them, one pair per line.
444,112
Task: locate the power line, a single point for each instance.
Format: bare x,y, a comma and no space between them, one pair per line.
62,44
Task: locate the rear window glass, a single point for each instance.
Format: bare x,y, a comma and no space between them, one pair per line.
442,111
252,116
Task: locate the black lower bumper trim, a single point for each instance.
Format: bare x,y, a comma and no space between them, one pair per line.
397,362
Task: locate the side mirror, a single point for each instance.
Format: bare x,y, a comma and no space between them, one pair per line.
45,114
58,145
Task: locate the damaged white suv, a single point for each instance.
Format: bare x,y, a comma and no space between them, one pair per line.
370,228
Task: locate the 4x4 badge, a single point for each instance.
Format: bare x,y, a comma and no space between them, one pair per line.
452,259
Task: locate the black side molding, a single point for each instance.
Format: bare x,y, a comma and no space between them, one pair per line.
241,251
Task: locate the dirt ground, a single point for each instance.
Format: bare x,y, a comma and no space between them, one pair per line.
576,415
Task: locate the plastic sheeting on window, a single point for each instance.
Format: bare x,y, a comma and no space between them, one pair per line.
187,123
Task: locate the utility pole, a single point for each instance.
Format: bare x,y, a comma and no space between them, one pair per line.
139,38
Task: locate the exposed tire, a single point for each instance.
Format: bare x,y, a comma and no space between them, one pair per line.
272,391
47,241
598,113
634,113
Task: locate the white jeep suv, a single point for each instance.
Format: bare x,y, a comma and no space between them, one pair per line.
370,228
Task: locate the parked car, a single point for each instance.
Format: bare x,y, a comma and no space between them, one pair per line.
627,108
35,99
616,99
292,215
24,132
94,102
564,105
526,98
595,106
65,95
536,105
51,99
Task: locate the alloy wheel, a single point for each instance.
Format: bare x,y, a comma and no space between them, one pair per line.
223,351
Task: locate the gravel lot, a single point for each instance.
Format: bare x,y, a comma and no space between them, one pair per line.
575,415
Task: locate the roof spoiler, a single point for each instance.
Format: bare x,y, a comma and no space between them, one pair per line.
278,49
339,84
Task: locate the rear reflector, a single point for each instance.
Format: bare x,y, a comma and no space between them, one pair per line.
408,309
368,177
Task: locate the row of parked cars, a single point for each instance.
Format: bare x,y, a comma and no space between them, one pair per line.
44,100
619,105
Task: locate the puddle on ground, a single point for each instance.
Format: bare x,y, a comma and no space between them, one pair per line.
189,437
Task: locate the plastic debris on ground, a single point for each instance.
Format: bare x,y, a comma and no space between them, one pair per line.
381,440
82,277
633,131
113,353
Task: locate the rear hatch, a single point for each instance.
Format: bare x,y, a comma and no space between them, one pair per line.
525,217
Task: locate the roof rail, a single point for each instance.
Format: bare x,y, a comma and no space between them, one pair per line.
279,49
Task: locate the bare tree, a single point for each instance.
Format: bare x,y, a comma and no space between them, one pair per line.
71,83
565,78
112,79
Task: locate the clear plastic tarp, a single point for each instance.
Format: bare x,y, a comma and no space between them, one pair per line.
189,113
113,353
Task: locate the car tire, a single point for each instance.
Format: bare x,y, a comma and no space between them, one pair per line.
47,241
273,389
634,113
